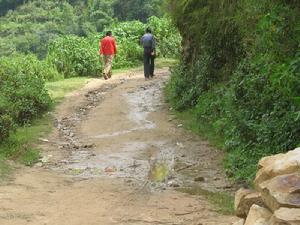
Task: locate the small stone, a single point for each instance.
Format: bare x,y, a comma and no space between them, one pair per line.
173,183
228,186
180,145
39,164
180,125
110,169
199,179
76,145
43,140
90,145
45,159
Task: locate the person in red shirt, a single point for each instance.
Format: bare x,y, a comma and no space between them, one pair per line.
108,50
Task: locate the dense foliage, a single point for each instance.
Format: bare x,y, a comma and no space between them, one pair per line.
137,9
23,95
74,56
240,74
33,25
28,26
6,5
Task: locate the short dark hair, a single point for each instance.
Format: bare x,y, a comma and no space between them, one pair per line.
148,30
108,33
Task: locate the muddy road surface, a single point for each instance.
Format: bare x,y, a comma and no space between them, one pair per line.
116,156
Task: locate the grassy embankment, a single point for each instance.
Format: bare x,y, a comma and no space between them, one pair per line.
20,146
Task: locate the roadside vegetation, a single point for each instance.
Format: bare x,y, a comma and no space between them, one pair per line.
238,79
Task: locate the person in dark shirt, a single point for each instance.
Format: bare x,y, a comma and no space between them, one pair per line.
108,50
149,44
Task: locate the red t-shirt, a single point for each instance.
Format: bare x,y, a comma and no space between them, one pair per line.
108,46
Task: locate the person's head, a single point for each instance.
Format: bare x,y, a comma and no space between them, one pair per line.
148,30
108,33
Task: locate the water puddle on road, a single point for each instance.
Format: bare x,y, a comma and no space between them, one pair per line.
151,161
142,102
136,160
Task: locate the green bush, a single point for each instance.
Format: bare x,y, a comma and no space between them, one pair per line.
128,36
188,83
129,54
30,27
74,56
167,36
6,124
240,73
23,94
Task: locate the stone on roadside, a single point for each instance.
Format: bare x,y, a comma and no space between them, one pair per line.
173,184
112,169
244,199
281,191
286,216
89,145
199,179
272,166
43,140
258,216
45,159
40,164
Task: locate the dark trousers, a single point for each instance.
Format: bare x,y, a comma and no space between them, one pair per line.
148,63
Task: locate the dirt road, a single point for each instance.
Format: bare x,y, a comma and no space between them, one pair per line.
116,156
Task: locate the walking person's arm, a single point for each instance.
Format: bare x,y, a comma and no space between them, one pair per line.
153,43
153,46
115,47
101,47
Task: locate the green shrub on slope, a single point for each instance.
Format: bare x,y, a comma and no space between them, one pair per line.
74,56
23,94
240,73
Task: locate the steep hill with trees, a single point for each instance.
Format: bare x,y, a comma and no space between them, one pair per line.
239,75
28,26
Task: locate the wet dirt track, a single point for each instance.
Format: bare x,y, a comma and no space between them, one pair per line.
115,156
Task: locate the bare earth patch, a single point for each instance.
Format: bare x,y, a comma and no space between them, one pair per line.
117,156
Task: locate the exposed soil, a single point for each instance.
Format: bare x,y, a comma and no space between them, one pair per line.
116,156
